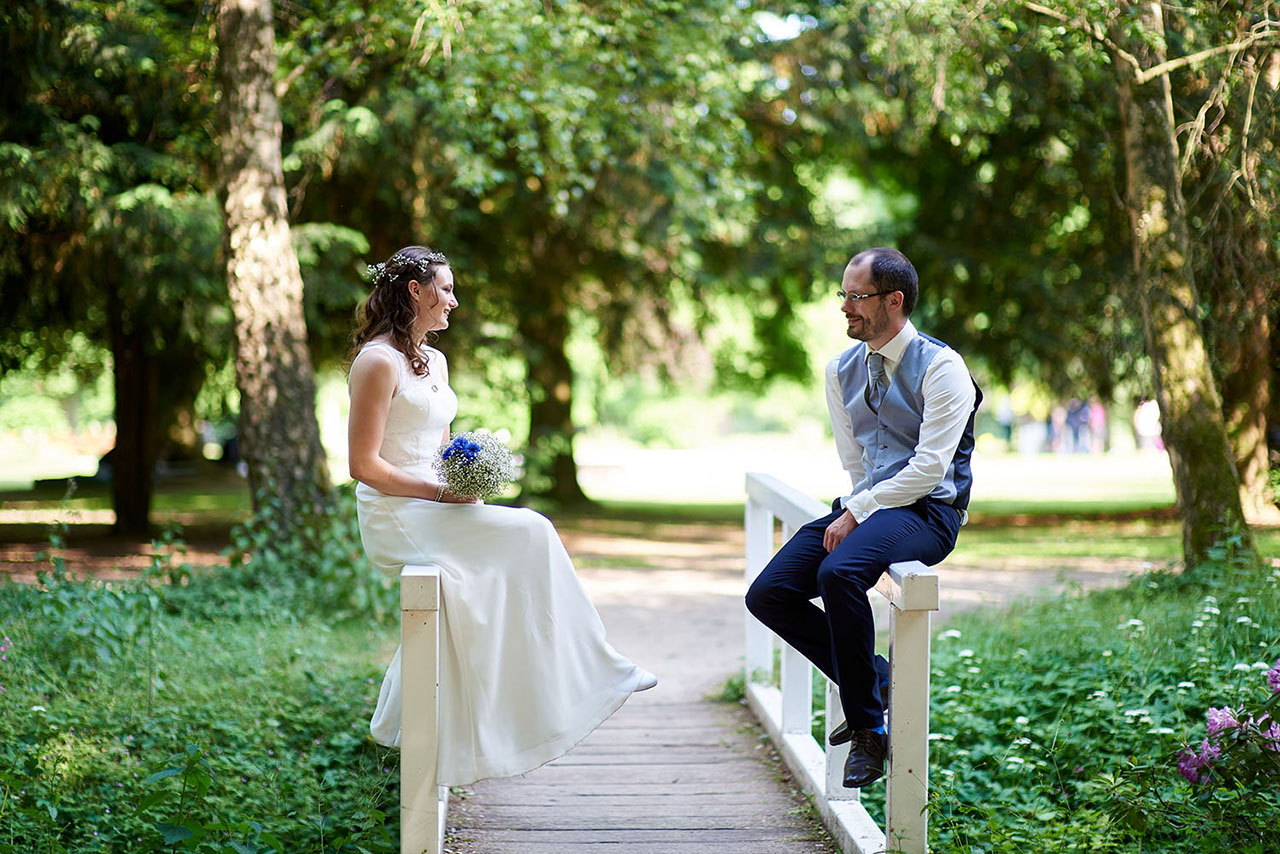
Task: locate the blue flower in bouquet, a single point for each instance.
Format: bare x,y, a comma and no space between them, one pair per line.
475,465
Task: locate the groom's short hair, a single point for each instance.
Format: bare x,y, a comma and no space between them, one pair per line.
891,271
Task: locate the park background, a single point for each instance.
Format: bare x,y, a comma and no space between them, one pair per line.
647,208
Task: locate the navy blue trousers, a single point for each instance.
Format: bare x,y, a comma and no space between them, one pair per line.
840,641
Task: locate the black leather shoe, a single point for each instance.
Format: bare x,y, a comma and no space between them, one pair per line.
865,764
840,734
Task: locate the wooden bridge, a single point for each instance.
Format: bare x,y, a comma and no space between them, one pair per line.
674,772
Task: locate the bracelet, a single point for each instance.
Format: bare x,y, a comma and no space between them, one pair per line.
439,491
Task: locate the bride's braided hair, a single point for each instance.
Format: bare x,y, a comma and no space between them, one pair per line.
388,310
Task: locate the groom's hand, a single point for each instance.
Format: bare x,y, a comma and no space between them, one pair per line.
838,530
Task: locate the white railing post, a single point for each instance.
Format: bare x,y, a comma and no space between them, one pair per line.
759,532
912,589
797,691
836,755
423,804
787,712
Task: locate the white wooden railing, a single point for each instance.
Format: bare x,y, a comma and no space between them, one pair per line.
787,712
423,804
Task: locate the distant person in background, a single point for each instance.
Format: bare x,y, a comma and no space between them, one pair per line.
902,406
1146,426
1057,429
1004,419
1098,427
1077,420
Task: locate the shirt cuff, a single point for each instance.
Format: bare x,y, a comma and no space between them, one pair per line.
860,505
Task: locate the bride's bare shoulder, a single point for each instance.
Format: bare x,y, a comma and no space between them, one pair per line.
373,363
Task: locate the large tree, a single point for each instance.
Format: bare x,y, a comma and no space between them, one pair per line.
1194,431
1230,173
279,435
106,230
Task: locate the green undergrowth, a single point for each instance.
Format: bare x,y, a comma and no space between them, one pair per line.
210,711
1058,725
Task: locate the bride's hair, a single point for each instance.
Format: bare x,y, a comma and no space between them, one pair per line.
388,311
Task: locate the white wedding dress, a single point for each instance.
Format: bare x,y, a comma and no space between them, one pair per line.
525,671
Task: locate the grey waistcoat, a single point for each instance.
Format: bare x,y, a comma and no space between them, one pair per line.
889,437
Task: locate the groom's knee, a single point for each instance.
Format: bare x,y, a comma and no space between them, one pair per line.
763,599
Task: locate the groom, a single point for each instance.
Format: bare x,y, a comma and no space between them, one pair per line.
902,407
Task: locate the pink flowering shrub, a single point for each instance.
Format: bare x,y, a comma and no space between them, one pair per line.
1239,745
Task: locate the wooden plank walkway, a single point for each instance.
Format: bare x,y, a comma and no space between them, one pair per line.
662,776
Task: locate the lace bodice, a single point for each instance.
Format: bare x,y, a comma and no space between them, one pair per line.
421,409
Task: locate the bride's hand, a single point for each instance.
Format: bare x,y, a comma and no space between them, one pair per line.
447,497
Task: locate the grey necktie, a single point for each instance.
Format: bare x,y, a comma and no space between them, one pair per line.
876,387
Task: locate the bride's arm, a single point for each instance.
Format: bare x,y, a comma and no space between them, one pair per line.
372,384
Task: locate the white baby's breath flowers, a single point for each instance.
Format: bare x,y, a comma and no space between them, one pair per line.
475,465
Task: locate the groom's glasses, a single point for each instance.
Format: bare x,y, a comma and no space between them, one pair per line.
852,297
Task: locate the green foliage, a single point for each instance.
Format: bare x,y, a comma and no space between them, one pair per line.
155,713
1059,725
316,567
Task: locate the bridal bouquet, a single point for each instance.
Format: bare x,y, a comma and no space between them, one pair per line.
475,465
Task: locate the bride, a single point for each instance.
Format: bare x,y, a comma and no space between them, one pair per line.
525,671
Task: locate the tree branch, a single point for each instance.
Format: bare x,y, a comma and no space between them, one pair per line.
1094,30
1263,31
282,87
1169,65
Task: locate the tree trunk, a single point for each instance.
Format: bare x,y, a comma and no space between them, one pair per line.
279,436
1194,433
1244,351
133,459
543,324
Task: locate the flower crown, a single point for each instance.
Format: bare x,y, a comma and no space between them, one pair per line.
401,263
